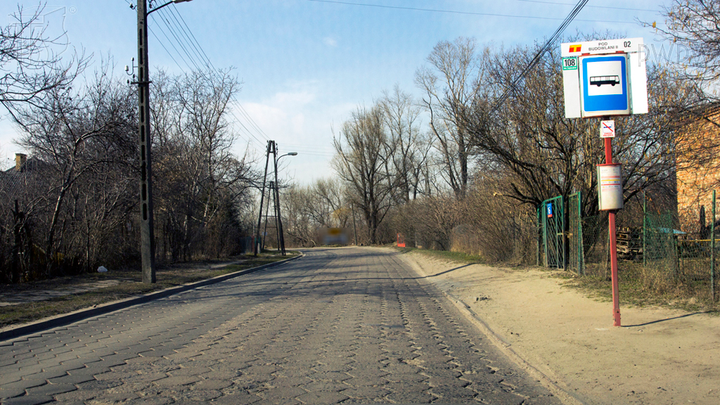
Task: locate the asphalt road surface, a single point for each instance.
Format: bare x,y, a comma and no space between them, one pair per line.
347,325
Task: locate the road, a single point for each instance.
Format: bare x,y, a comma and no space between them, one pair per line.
344,325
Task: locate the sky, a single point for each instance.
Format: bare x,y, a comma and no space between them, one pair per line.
307,65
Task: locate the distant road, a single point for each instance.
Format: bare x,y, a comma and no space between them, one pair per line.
351,325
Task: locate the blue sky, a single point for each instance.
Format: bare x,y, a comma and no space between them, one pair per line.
307,65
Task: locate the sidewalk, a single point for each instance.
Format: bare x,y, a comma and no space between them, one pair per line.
659,356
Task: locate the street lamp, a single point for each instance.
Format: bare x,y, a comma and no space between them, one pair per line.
281,242
147,238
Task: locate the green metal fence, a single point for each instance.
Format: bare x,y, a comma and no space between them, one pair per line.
560,233
576,255
684,258
552,225
697,249
660,242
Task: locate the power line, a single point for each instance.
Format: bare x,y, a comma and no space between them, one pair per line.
249,136
200,54
193,38
165,48
536,59
178,40
477,13
602,7
185,44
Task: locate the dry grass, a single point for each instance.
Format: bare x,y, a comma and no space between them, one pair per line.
649,285
130,285
639,285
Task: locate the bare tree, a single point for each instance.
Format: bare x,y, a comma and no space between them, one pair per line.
449,86
299,222
540,154
79,140
362,162
411,147
199,180
693,25
331,208
30,66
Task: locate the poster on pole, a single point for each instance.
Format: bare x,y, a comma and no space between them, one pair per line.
610,190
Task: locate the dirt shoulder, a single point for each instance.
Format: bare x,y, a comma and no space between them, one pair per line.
659,356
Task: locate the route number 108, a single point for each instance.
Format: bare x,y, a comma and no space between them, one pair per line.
570,63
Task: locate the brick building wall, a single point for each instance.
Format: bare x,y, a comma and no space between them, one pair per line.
698,173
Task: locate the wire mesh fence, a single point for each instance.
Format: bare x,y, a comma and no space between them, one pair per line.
697,248
663,252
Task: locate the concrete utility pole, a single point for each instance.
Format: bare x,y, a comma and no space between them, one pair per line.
147,237
271,149
258,243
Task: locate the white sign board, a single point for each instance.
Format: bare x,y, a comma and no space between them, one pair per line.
626,45
610,191
603,78
607,129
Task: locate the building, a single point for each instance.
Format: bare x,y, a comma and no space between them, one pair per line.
698,169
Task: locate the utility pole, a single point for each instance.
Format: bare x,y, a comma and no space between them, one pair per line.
256,250
271,195
147,237
278,220
272,148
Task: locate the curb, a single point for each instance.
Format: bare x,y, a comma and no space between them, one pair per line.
82,314
564,395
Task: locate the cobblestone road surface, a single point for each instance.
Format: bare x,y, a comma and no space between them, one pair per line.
337,326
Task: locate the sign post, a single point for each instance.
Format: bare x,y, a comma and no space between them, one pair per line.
603,79
613,243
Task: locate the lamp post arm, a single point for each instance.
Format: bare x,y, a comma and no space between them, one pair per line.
166,4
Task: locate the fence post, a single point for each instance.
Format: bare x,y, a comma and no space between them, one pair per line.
538,236
564,239
645,253
581,245
544,235
712,250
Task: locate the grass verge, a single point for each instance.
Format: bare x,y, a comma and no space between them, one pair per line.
446,255
129,284
642,286
639,286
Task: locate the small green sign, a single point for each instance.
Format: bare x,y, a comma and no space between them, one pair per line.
570,63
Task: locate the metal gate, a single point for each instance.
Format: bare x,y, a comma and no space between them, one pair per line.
576,252
552,218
